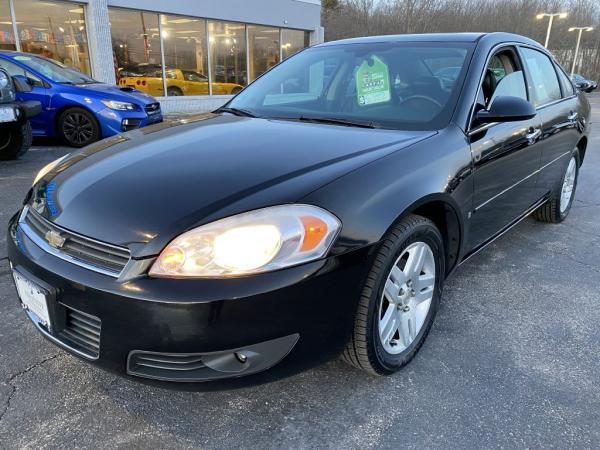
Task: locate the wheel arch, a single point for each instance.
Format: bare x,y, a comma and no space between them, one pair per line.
67,106
442,210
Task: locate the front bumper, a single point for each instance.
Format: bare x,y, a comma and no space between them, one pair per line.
113,122
306,311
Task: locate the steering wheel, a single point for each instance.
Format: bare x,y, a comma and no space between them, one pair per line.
423,97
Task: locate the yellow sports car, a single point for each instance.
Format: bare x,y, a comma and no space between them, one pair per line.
179,82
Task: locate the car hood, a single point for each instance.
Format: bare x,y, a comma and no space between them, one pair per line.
99,90
143,188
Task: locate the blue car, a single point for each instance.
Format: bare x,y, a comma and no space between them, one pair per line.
75,107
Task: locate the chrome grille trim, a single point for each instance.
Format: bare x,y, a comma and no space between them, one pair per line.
94,255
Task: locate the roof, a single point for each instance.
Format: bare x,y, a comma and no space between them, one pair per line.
435,37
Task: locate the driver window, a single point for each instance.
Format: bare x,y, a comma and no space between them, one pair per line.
503,77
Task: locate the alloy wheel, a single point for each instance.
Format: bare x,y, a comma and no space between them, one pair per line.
77,128
407,297
568,185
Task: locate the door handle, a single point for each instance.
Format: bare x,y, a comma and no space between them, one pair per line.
572,117
533,135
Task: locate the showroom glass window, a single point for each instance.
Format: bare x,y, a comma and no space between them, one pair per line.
186,55
263,45
227,46
292,41
136,50
7,36
55,30
543,76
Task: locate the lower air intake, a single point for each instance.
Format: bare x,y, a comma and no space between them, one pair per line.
193,367
81,332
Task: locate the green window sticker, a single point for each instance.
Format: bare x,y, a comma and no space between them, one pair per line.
373,82
22,58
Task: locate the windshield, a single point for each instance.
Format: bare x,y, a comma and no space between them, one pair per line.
54,71
404,85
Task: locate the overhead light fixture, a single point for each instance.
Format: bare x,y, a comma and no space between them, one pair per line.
182,20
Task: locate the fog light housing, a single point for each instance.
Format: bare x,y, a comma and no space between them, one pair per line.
130,124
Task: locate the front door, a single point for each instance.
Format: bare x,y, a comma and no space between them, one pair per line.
506,156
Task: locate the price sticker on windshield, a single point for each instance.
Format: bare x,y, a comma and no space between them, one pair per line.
373,82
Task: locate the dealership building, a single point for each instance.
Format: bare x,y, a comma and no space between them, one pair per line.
190,54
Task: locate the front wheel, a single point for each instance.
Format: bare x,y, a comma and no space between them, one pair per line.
557,208
15,141
78,127
400,298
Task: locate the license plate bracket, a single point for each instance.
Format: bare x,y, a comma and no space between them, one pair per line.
37,298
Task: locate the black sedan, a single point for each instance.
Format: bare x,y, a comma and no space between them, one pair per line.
317,214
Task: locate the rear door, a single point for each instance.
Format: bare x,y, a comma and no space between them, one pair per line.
556,102
506,156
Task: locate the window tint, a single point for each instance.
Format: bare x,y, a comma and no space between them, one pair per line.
503,77
14,69
513,85
390,85
565,82
545,84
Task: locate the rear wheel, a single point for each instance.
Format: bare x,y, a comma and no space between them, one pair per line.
78,127
400,298
236,90
557,208
15,141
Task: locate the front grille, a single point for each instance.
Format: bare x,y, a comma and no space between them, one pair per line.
153,108
81,332
95,255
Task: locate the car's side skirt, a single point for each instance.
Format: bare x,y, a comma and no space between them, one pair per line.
504,230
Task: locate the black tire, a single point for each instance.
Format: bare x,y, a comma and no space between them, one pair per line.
365,349
15,141
236,90
78,127
551,212
174,92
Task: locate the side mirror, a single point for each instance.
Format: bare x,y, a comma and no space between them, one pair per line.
22,83
506,109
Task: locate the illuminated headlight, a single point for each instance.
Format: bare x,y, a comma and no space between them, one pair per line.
4,80
47,168
119,106
249,243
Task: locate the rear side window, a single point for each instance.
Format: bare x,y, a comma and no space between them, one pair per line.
545,84
565,82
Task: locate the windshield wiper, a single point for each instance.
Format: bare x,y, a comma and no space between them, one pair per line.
340,121
236,112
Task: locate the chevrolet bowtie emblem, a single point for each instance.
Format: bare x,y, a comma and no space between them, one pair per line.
55,239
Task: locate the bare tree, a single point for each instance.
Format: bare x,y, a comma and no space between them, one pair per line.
350,18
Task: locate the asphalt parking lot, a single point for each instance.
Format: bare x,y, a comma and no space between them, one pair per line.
513,361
